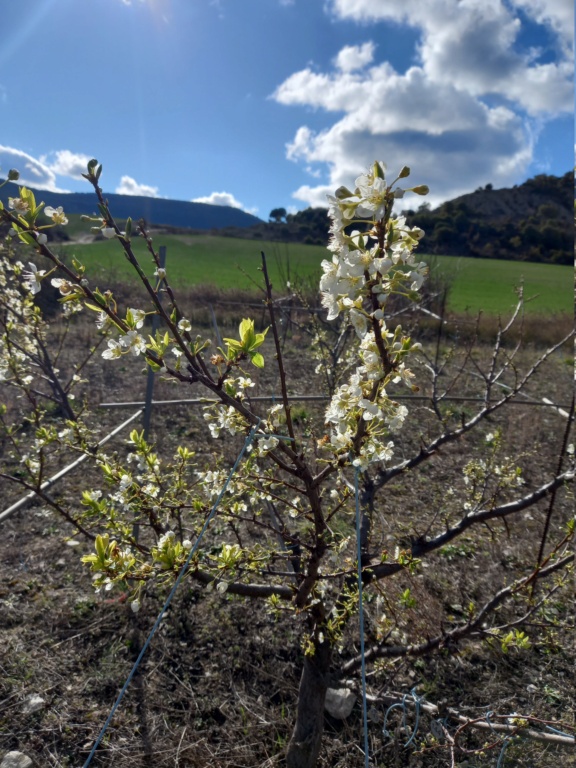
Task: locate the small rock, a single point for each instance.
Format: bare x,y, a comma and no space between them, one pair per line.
339,702
16,760
532,688
33,703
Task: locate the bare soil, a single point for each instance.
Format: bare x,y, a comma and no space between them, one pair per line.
218,685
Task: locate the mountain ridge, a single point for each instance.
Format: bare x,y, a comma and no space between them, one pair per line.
155,210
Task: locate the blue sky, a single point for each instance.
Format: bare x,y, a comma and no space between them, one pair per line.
269,103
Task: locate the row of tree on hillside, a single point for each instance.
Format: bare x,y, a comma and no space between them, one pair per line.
530,222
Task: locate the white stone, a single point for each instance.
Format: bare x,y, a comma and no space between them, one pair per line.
339,702
33,703
16,760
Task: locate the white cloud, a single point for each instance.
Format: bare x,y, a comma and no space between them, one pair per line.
557,14
128,186
470,44
41,172
33,172
452,140
465,115
353,57
316,173
66,163
223,198
335,93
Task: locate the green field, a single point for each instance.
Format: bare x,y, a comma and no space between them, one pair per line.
229,263
490,285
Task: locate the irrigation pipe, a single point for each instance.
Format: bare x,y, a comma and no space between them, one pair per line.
319,398
47,483
558,738
544,401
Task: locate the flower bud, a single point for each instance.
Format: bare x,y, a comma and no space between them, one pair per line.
13,175
421,190
342,193
404,172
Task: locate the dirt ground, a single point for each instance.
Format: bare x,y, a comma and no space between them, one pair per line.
218,685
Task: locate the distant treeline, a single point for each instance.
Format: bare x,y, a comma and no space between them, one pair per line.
533,221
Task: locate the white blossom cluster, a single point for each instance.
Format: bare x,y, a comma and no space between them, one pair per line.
365,261
224,418
17,341
131,341
367,266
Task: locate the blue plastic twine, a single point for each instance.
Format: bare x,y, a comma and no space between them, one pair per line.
402,705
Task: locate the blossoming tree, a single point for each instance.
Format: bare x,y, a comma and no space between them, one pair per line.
319,499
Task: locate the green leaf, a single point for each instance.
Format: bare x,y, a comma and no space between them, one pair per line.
69,297
246,331
342,193
100,298
233,346
257,360
92,306
78,266
101,544
26,238
28,196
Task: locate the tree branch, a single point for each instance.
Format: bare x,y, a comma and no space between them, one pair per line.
445,639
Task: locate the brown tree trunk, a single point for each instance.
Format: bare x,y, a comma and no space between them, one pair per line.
306,740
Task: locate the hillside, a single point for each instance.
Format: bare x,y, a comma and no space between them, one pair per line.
532,221
156,210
